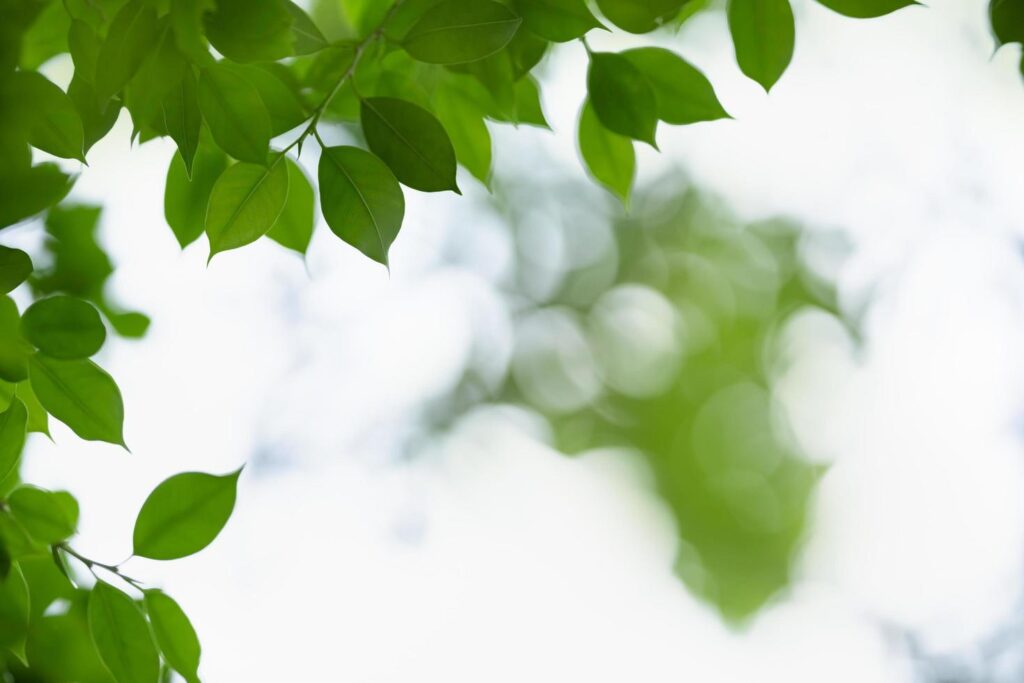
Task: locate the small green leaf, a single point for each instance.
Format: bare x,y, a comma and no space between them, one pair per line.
81,395
48,516
609,157
235,113
251,30
184,514
763,34
867,9
361,200
156,81
98,114
459,31
411,142
621,97
528,105
307,37
294,227
1007,19
63,327
38,418
122,636
640,16
185,200
182,117
13,422
130,39
15,267
14,608
174,634
557,20
44,112
525,51
244,204
682,93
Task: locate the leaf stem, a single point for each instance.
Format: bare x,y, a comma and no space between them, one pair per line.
90,564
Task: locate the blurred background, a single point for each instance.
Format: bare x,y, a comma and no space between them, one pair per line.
764,425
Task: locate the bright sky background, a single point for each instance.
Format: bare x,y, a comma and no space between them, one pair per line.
493,558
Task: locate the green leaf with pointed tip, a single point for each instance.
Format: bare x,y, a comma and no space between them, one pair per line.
98,114
235,113
174,634
557,20
186,200
15,267
30,191
411,142
46,37
294,227
245,203
1007,19
14,350
63,327
525,51
307,38
81,395
183,514
38,418
48,516
44,112
361,200
640,16
460,31
122,636
14,608
866,9
13,428
84,46
609,157
468,131
182,118
155,81
130,39
763,34
621,97
528,106
682,93
283,105
251,30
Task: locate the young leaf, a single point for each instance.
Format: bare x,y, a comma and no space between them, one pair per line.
130,39
14,608
44,112
235,113
763,33
459,31
81,395
640,16
557,20
174,634
307,37
244,204
609,157
682,93
184,514
361,200
251,30
182,117
13,422
63,327
621,97
15,267
866,9
1007,19
294,227
121,636
411,142
48,516
185,200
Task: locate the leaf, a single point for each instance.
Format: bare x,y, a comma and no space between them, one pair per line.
84,46
609,157
186,19
528,106
38,419
468,132
48,516
235,113
361,200
14,608
30,191
184,514
154,82
98,114
14,350
121,636
63,327
682,93
251,30
185,200
46,37
81,395
174,634
130,39
525,51
283,105
411,142
640,16
294,227
44,112
15,267
306,36
244,204
763,34
1007,19
621,97
459,31
13,423
557,20
866,9
182,118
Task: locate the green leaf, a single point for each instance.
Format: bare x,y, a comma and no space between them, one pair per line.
15,267
763,34
130,324
468,132
38,418
294,227
30,191
244,204
557,20
154,82
14,608
609,157
411,142
46,37
44,112
235,113
640,16
130,39
13,424
182,118
14,350
283,105
305,34
184,514
121,636
867,9
48,516
525,51
251,30
621,96
459,31
185,200
1007,19
63,327
361,200
84,46
186,19
174,634
98,114
528,106
682,93
81,395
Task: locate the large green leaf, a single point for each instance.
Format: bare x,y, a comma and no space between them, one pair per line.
251,30
121,636
235,113
608,156
14,608
682,93
459,31
184,514
81,395
867,9
15,267
411,142
174,634
763,34
361,200
63,327
185,200
130,39
13,423
44,112
294,227
557,20
48,516
622,98
640,16
244,204
283,105
182,118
